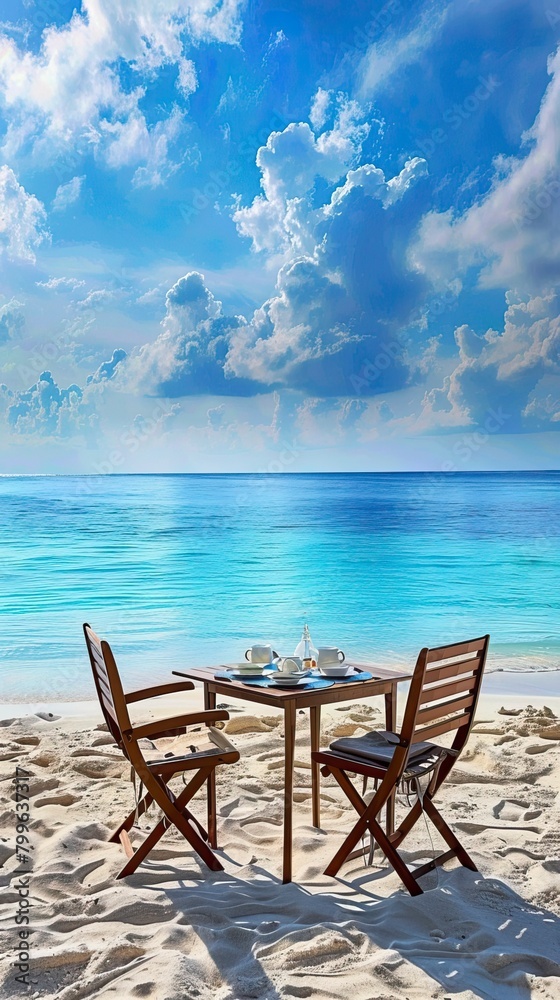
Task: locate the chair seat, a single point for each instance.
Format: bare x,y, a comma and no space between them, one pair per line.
185,752
378,748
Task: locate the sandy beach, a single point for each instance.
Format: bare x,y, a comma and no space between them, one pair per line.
175,930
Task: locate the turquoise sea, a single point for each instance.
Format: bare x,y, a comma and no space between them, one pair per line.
191,569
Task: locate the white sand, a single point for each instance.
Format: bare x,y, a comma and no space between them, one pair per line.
174,930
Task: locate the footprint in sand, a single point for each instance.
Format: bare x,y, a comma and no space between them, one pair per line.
254,788
345,729
550,733
143,989
64,799
274,764
43,759
538,748
102,741
532,855
5,852
302,794
229,807
261,830
246,724
38,785
99,767
267,755
532,814
366,711
510,810
27,741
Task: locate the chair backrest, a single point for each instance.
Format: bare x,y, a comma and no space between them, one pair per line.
108,685
444,692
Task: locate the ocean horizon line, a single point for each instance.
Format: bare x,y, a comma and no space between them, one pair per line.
333,472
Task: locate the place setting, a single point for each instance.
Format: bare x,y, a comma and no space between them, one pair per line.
308,667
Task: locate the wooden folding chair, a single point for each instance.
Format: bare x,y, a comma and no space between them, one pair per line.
442,698
154,775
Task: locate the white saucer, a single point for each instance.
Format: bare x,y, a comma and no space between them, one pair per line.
249,669
292,680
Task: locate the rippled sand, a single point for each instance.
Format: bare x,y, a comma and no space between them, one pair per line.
174,930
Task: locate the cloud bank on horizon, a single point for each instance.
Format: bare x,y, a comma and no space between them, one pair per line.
279,238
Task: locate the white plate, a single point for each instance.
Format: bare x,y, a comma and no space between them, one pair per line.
249,669
290,681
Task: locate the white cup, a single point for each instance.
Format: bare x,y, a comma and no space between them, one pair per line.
260,654
290,665
330,656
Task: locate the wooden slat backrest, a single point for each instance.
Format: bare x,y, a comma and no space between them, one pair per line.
108,684
444,691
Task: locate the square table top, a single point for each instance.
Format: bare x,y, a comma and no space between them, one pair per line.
382,682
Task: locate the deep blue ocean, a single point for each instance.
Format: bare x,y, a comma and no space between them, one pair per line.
191,569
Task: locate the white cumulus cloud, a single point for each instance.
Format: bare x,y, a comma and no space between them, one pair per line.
11,320
48,411
22,218
61,284
514,373
319,108
70,93
333,311
67,194
290,163
188,356
512,234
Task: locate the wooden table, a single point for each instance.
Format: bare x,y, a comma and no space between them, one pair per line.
384,681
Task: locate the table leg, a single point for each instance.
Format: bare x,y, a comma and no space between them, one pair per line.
210,703
391,708
315,735
289,750
390,723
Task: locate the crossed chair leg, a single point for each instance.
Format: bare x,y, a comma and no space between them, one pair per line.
389,842
175,813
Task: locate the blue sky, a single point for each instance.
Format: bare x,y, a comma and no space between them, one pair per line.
278,237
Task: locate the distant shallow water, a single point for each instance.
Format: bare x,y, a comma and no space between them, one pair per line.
189,570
